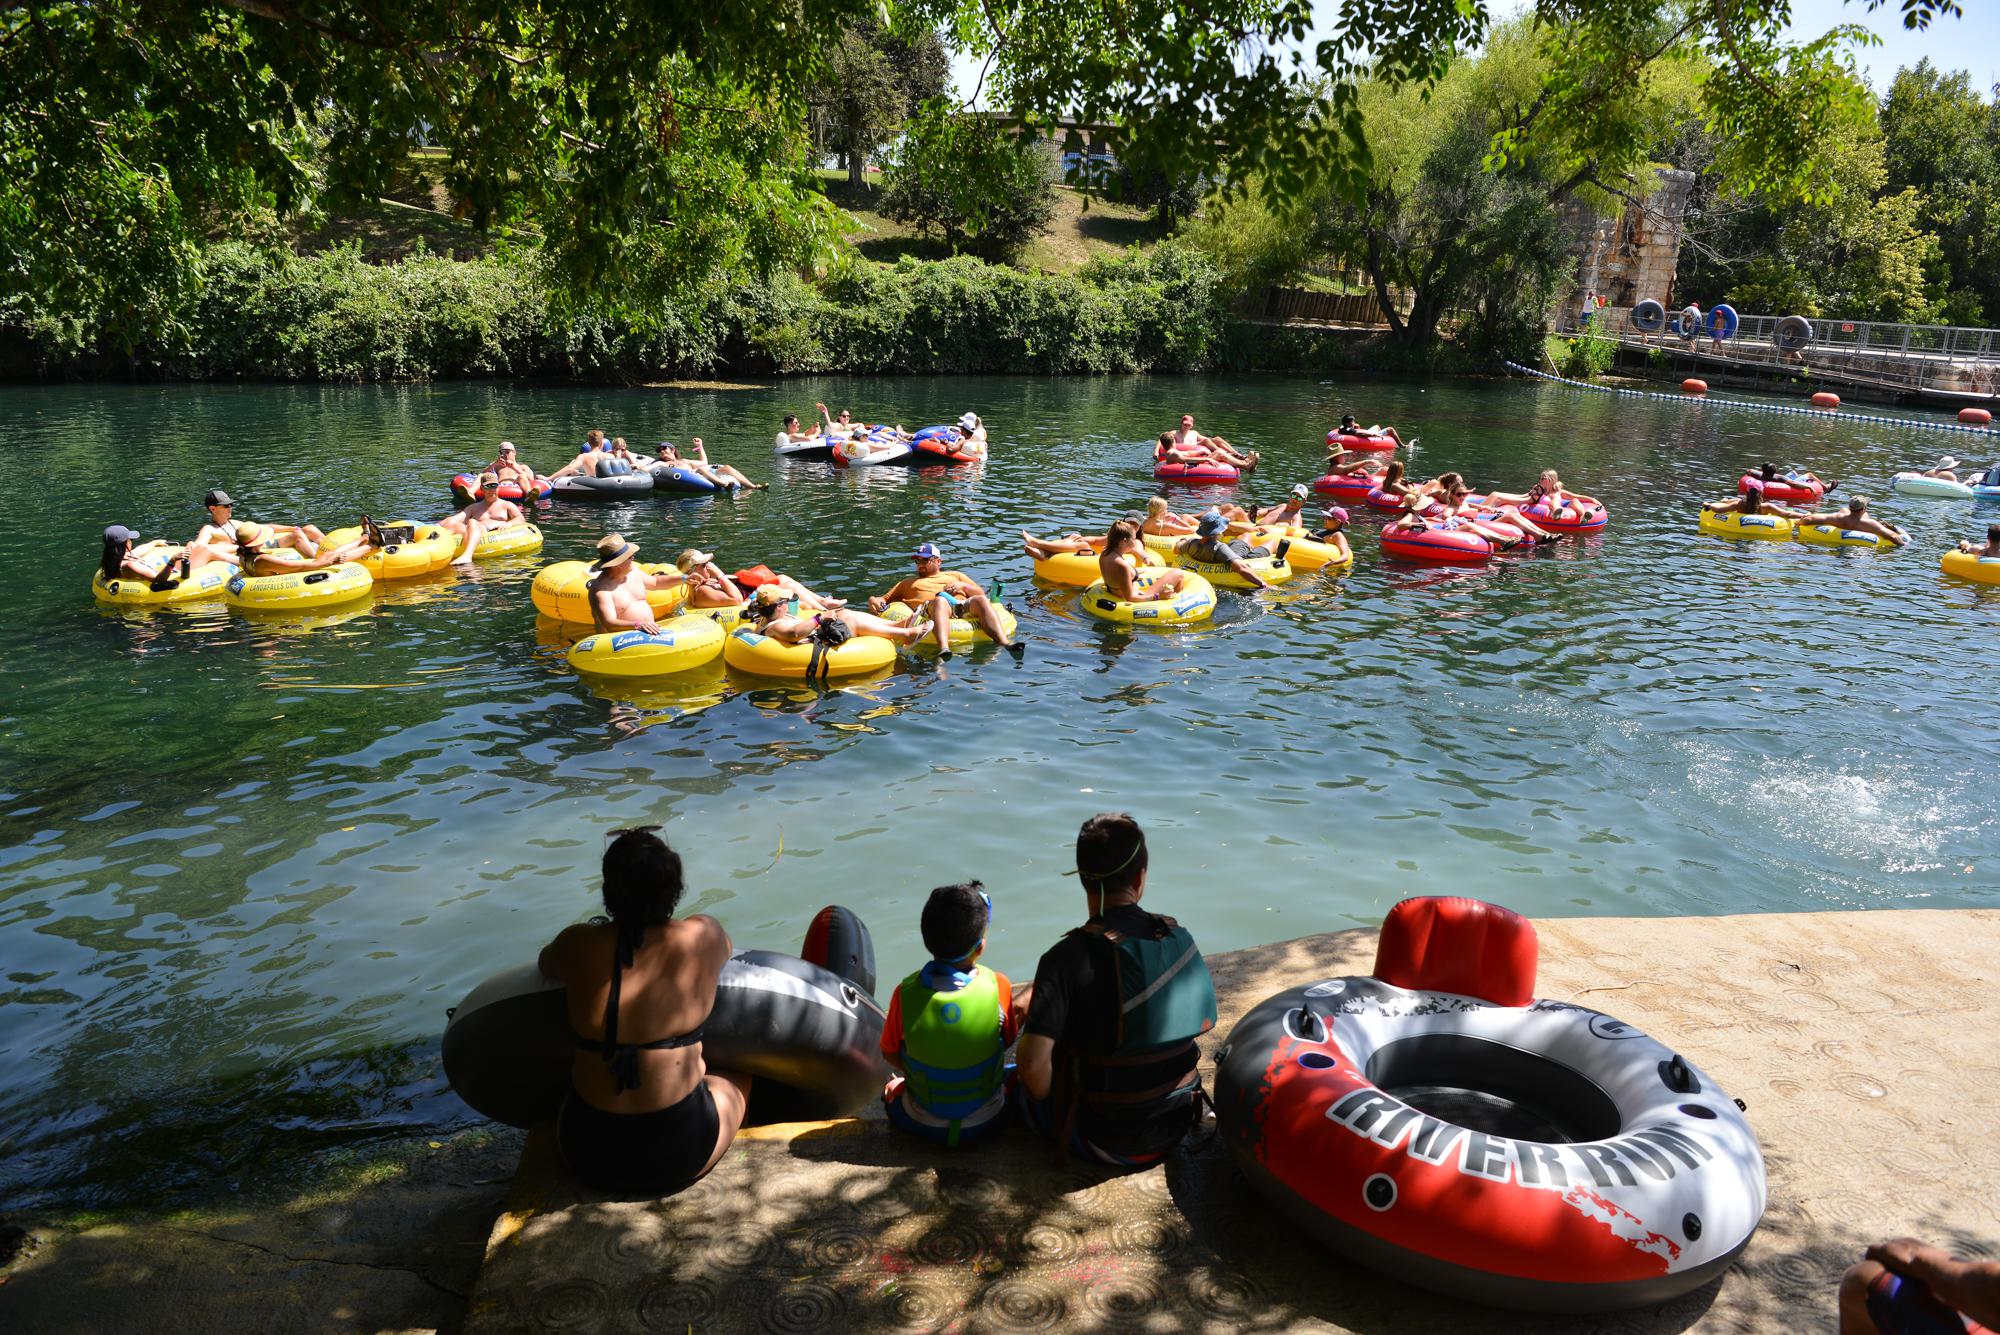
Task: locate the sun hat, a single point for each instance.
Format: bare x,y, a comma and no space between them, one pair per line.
611,549
692,557
927,551
119,533
1949,461
218,497
1211,524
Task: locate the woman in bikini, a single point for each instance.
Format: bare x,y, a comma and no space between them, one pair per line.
644,1115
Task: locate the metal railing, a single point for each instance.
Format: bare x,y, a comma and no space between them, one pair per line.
1949,361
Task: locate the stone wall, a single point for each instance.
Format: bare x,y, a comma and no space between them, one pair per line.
1633,255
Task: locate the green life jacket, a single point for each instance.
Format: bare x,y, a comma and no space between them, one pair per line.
1165,993
952,1054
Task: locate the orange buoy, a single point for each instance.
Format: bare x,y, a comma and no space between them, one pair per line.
1825,400
1974,416
1692,386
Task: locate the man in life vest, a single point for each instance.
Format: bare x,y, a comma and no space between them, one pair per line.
950,1024
1107,1055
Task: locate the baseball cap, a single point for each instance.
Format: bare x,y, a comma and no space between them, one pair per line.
119,533
692,557
1335,514
969,421
1299,490
506,447
1210,524
927,551
489,479
217,497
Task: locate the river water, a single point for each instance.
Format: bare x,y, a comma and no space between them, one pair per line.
245,866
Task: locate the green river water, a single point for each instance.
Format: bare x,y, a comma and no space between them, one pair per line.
246,865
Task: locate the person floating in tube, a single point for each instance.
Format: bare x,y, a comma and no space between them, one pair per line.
940,595
618,587
1208,546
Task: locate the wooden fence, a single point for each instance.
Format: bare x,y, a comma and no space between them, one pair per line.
1295,305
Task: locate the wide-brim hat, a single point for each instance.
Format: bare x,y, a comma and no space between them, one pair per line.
611,549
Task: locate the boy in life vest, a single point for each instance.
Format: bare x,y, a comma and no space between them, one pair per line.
949,1026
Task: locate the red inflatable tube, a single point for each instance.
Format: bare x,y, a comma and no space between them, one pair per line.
1780,490
465,486
1377,499
1579,514
1347,486
1437,546
1205,473
938,449
1348,441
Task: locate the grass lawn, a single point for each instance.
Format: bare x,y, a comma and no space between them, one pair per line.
1080,229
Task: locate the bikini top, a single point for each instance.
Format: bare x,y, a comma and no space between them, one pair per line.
623,1058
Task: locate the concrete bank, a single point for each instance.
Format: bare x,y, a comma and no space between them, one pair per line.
1867,1046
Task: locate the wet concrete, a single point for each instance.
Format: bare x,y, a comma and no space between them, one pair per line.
1866,1046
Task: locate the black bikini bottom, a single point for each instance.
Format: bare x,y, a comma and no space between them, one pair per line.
639,1154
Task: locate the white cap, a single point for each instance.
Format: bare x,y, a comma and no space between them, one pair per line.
970,421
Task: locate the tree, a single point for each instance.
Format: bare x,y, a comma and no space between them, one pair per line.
875,79
985,189
1942,139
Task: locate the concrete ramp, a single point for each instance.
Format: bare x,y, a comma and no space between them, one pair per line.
1866,1045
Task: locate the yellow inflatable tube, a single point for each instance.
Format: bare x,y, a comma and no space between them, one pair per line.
1832,535
963,632
1078,570
1163,543
1769,528
1304,553
514,540
125,591
683,642
562,591
1964,565
1194,603
432,549
1272,569
299,590
760,655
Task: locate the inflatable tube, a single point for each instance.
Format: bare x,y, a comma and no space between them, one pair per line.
575,488
1076,570
1794,333
1916,484
1731,524
809,1036
1437,546
1577,514
1301,552
761,656
514,540
562,591
1350,487
940,445
298,591
1194,603
963,632
1781,489
199,586
1202,474
1964,565
680,478
869,453
1378,499
683,642
1516,1152
1832,535
838,941
432,549
1693,386
1823,399
464,486
1347,440
819,447
1722,323
1975,416
1271,569
1648,317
